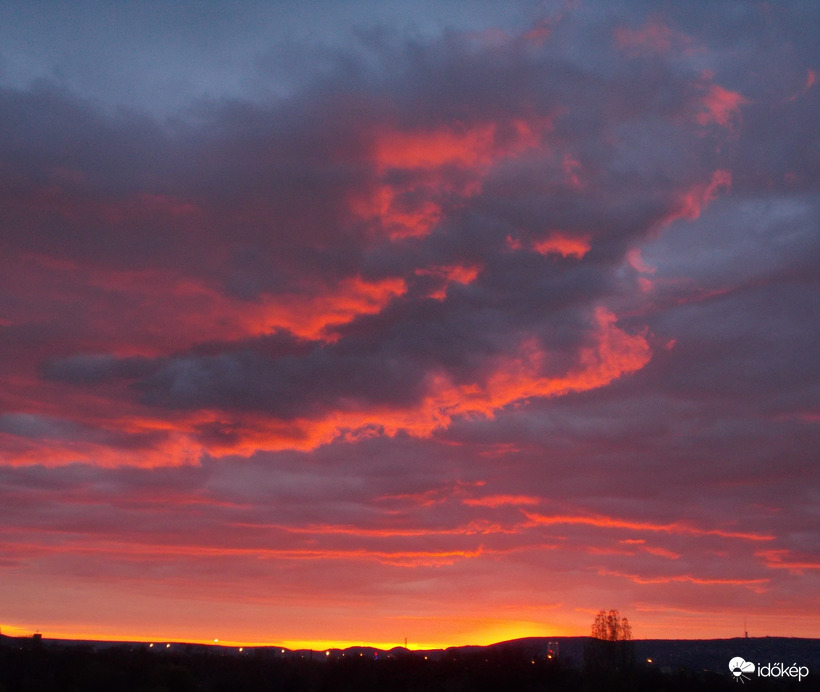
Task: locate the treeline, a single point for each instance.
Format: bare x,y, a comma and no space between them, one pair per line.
123,669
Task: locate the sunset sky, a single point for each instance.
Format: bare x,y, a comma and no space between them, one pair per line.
345,322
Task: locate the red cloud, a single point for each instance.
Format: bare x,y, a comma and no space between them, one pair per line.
457,273
785,559
614,353
691,202
754,584
501,500
563,244
442,162
432,149
611,522
720,106
515,377
316,317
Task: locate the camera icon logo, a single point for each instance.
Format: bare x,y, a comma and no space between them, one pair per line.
740,668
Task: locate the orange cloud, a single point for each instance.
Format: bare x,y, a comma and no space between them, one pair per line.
613,523
158,551
312,314
315,317
662,552
563,244
613,354
501,500
432,149
334,529
171,313
457,273
754,584
410,209
462,274
182,437
782,559
401,218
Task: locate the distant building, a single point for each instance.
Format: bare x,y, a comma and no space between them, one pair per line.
552,651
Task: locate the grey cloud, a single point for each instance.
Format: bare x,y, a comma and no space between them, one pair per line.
42,428
36,426
90,369
262,175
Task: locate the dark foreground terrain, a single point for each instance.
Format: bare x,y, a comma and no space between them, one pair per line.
34,665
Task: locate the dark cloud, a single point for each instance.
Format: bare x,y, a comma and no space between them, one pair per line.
39,430
258,202
89,369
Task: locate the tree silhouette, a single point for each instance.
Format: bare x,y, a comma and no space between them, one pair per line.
609,655
611,627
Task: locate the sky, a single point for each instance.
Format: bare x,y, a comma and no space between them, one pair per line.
330,323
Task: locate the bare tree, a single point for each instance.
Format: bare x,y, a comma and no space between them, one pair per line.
611,627
609,656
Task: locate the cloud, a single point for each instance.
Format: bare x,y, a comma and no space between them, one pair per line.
267,221
450,309
720,106
653,37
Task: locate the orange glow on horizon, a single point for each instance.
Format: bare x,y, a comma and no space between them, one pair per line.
481,632
649,622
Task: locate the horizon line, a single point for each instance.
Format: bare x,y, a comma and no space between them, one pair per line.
341,645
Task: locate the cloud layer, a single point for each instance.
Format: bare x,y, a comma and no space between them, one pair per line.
455,315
